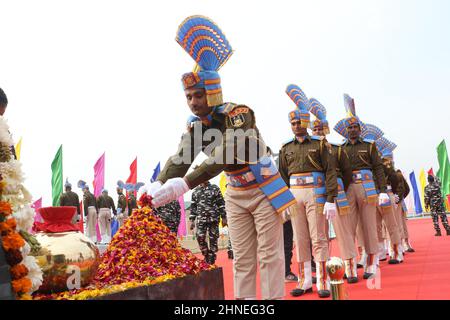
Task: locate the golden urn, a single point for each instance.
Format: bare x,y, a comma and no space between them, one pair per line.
68,259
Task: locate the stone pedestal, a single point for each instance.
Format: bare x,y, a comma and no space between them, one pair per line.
207,285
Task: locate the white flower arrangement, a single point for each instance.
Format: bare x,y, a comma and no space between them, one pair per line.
20,199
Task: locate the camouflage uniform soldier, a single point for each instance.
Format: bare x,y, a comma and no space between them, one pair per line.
170,214
434,201
208,206
70,199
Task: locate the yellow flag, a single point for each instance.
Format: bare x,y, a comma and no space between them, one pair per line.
18,147
423,183
223,183
223,187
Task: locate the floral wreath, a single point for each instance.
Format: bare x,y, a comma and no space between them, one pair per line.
16,218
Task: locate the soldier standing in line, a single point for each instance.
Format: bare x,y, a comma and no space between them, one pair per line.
307,166
435,202
342,223
207,207
90,211
121,203
362,194
105,204
70,198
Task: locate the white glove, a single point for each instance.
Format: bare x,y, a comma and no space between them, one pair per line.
397,198
151,188
170,191
329,210
383,199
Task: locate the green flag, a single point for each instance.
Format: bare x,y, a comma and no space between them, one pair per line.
57,177
444,168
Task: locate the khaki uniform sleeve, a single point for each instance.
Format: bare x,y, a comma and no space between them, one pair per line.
179,164
283,167
346,168
377,167
217,162
329,167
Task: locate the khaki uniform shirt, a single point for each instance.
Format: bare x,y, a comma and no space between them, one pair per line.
70,199
343,166
364,156
238,117
308,156
106,202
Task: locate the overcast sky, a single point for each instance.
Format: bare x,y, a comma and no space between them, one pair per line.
104,76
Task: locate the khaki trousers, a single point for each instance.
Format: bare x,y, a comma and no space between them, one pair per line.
366,215
104,223
309,227
402,223
344,229
390,221
256,233
91,221
121,217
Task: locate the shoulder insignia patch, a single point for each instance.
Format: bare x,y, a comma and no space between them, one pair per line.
238,110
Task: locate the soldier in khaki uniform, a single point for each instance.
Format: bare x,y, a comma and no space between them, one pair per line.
252,211
362,193
121,203
90,211
342,223
307,166
105,204
402,212
388,214
70,198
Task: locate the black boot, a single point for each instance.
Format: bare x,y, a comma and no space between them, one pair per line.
299,292
230,254
448,232
438,233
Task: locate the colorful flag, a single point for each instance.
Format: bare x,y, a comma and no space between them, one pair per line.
223,183
444,169
99,184
417,203
156,172
182,226
133,174
18,148
423,184
36,205
99,175
57,177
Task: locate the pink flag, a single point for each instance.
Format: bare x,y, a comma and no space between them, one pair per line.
99,175
99,184
37,216
182,225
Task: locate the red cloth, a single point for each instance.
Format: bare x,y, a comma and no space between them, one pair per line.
430,172
56,219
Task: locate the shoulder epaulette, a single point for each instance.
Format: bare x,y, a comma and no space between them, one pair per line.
226,107
287,142
319,138
191,119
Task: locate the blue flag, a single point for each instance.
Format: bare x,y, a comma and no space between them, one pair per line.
417,202
156,172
